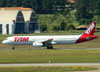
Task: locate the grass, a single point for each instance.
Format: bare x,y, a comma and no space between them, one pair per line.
42,69
55,56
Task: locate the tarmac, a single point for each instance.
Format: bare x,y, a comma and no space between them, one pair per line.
50,64
54,49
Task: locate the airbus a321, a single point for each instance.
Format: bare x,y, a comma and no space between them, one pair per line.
49,41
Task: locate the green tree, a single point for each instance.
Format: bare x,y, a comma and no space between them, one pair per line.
2,3
84,11
71,27
63,25
9,3
97,7
43,27
37,6
40,6
47,6
60,5
56,28
27,3
16,3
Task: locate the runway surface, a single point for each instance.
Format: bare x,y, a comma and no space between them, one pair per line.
75,48
53,49
50,64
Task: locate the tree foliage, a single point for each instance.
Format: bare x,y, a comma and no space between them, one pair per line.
86,10
63,25
43,27
40,6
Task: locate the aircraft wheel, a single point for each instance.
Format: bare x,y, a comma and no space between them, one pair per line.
49,47
13,48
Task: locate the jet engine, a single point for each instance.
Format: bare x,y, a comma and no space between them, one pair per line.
37,44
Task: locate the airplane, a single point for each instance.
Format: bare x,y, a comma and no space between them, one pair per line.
49,41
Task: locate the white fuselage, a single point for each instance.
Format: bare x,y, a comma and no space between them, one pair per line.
59,39
48,41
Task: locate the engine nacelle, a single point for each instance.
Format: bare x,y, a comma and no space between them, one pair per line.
37,44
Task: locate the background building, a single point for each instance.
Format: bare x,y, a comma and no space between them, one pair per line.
18,20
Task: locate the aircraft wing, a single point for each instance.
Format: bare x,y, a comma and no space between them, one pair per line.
46,42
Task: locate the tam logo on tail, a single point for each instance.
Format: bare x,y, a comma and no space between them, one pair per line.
89,34
91,29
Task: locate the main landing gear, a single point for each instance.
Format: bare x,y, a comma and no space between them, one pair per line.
13,48
49,47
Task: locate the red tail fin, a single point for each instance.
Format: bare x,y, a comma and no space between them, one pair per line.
88,34
91,29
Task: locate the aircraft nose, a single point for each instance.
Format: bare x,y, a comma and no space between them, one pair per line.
5,42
